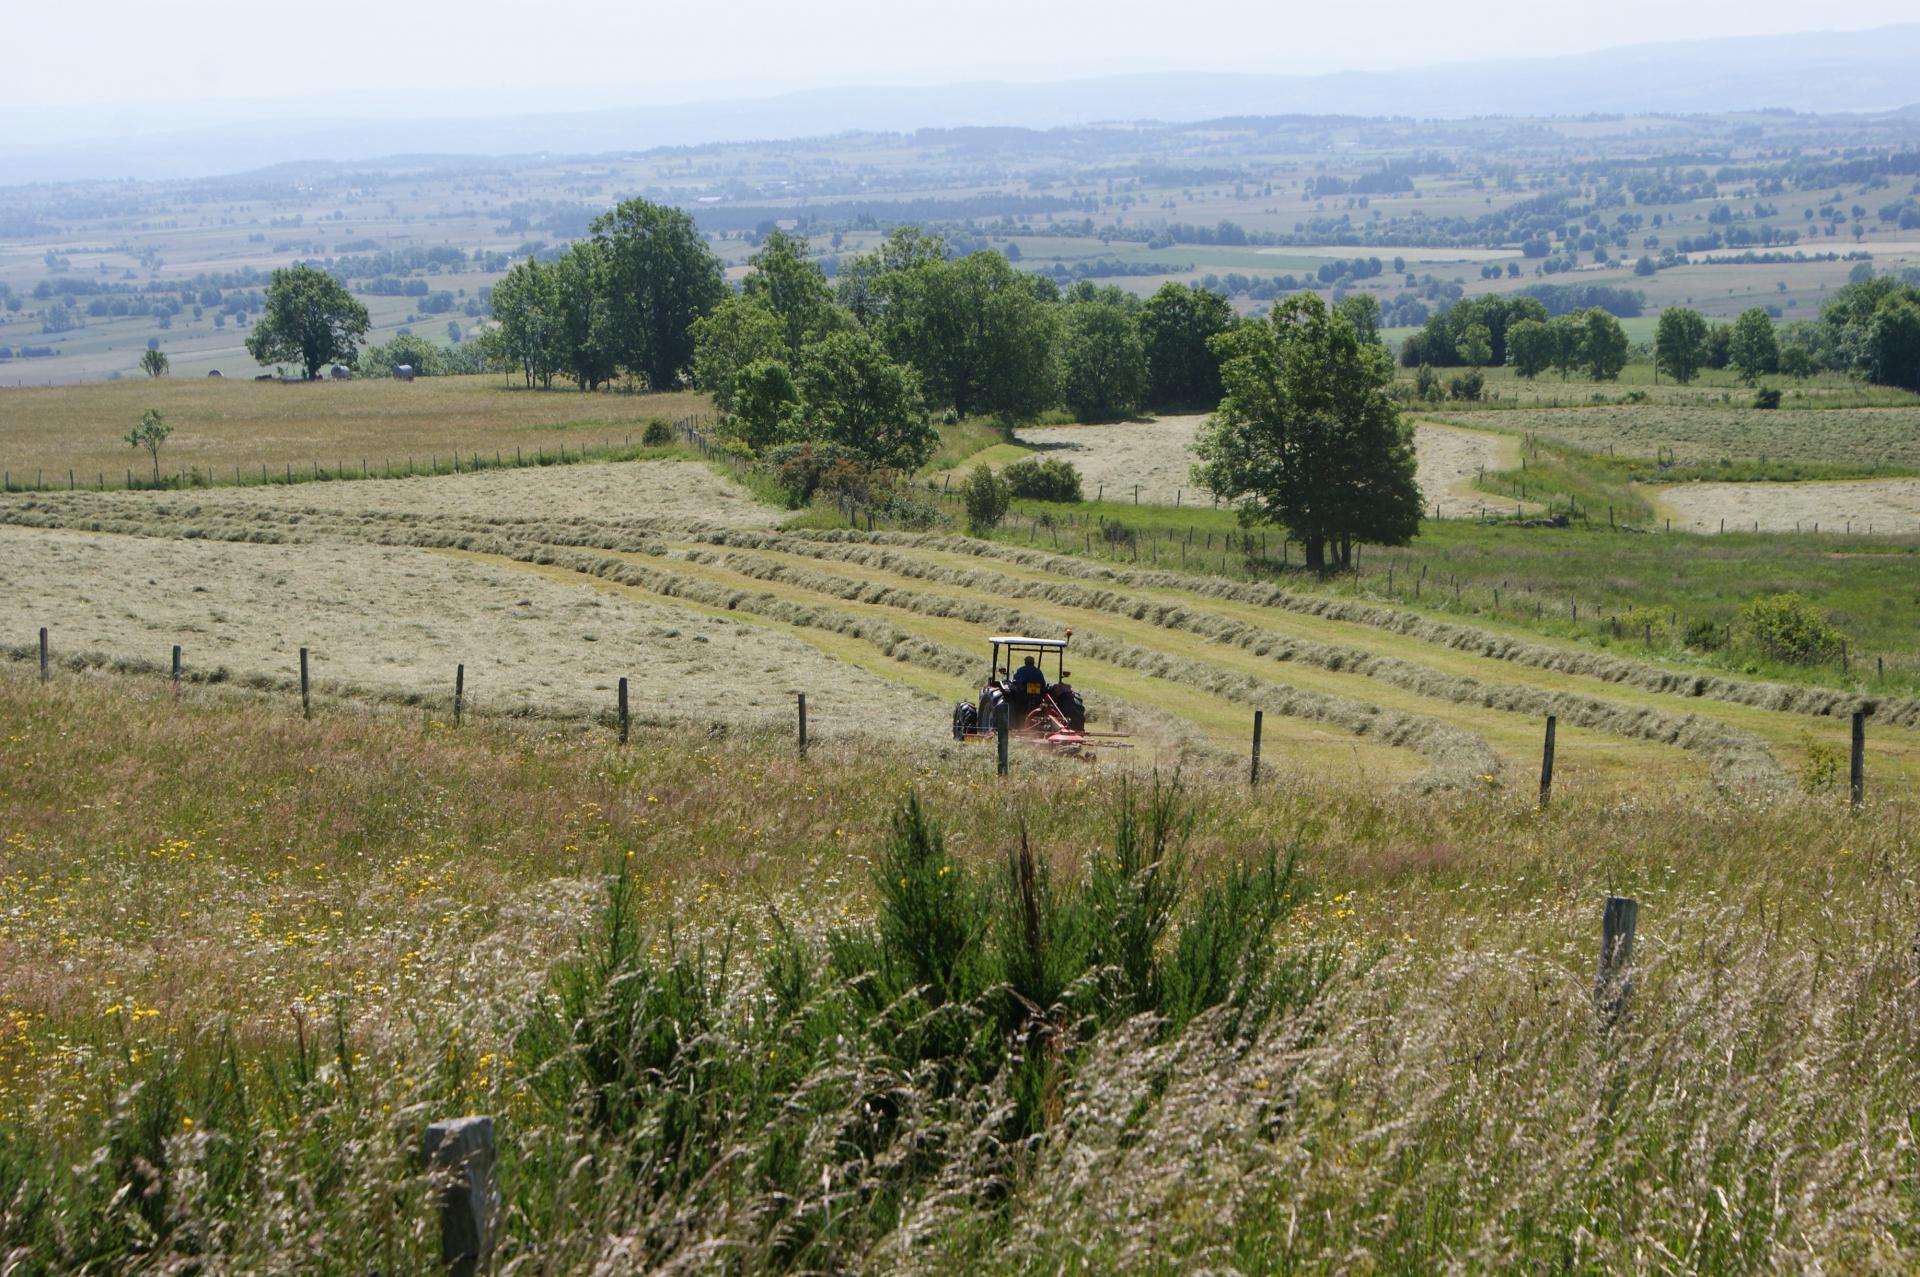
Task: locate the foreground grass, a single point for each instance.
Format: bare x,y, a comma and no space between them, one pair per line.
248,957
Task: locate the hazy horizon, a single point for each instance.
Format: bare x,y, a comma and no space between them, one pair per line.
469,62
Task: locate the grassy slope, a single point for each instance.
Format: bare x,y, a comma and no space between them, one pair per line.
214,863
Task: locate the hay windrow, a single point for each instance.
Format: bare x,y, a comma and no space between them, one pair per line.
1817,702
1739,760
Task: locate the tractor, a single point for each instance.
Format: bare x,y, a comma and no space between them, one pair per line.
1018,691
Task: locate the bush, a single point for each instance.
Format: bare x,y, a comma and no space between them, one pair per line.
804,470
658,434
1706,636
1468,386
1426,382
986,497
1766,397
1788,628
1032,479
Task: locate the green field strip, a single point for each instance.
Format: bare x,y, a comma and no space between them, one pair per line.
1515,737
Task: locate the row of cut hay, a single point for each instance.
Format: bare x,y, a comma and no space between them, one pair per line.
1737,759
1818,702
1458,756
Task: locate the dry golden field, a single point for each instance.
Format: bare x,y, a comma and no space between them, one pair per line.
230,423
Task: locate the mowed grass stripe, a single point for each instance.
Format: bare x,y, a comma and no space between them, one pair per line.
1893,760
1300,744
1516,737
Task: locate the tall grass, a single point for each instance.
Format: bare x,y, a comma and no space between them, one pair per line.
735,1012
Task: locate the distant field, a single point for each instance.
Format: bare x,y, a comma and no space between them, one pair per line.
228,423
1866,437
1869,505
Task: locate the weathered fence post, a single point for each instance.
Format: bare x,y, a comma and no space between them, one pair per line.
1002,728
1546,762
803,724
1614,979
463,1150
306,687
43,654
1259,717
459,692
623,711
176,667
1857,765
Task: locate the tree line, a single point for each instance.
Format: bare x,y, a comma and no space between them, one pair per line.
862,358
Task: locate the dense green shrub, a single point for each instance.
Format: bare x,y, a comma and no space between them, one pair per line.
658,434
1033,479
986,497
1788,628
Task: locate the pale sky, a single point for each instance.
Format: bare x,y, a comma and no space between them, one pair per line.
121,66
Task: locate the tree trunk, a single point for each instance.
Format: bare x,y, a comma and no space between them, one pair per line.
1316,547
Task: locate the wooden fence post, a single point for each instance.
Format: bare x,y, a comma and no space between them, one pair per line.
1546,763
459,692
463,1150
623,711
43,654
306,688
803,724
1857,766
1003,727
1613,981
176,668
1259,717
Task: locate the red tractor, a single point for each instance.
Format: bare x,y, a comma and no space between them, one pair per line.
1036,709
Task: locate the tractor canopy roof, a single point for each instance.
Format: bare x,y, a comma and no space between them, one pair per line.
1015,640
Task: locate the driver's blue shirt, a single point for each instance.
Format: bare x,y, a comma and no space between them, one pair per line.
1027,676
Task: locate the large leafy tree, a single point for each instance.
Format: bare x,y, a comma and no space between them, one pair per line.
1893,341
1530,347
310,319
793,288
526,310
857,397
1603,344
587,316
1176,324
1103,369
738,332
659,277
973,329
1307,436
1680,343
1754,350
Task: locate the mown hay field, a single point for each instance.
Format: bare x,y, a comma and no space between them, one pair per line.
232,423
1864,437
392,622
1156,457
643,566
1848,505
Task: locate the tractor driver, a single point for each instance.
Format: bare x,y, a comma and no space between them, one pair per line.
1029,681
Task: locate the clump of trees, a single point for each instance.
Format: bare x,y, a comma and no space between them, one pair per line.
1590,341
